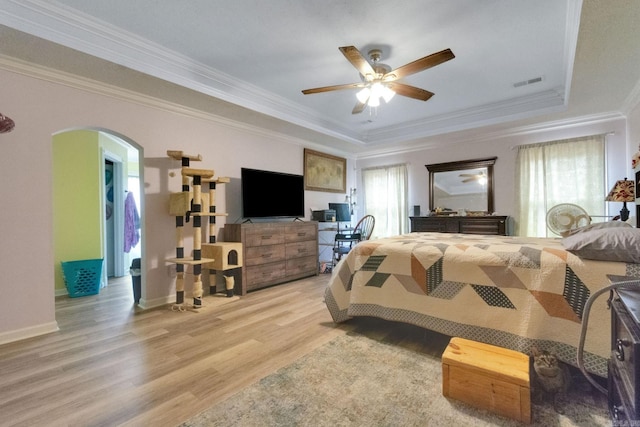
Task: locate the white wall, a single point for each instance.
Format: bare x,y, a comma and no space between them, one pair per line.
41,108
504,147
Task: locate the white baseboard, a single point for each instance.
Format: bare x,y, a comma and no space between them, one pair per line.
158,302
33,331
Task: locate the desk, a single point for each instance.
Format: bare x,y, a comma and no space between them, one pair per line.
326,239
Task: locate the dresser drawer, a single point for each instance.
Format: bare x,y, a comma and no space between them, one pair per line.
304,266
482,226
300,249
428,224
263,275
625,352
620,407
265,237
489,225
256,255
299,233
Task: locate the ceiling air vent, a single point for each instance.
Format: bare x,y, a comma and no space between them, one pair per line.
528,82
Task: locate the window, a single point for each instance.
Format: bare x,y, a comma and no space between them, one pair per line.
565,171
385,197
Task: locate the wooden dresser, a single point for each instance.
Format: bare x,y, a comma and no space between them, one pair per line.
275,252
624,363
498,225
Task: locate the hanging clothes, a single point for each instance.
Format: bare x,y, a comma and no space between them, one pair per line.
131,223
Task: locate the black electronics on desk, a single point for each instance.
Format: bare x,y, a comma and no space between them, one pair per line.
325,215
342,211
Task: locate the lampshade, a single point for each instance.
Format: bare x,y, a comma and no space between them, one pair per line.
622,191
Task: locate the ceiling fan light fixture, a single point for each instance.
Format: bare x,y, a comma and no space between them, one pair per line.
376,90
374,101
363,95
387,94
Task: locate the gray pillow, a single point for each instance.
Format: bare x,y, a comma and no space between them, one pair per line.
598,226
617,243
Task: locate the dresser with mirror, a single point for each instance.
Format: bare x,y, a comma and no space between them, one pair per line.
461,199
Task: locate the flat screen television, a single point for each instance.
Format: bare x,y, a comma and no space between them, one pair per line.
267,194
342,211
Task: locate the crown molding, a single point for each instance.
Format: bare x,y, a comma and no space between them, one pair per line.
549,126
633,100
68,27
550,101
87,85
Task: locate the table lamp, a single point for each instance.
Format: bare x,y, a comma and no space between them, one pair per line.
622,191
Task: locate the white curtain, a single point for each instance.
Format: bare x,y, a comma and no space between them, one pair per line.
385,197
564,171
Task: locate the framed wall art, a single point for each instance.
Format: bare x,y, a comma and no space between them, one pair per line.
324,172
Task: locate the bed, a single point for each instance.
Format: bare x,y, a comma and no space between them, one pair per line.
508,291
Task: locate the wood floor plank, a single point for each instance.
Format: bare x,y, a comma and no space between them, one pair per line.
114,364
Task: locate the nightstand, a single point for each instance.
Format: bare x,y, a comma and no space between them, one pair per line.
624,364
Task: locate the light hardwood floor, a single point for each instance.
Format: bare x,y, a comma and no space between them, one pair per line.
112,364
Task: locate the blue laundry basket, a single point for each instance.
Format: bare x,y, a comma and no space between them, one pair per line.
82,278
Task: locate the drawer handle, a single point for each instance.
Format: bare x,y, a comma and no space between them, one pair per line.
266,237
617,410
620,344
266,256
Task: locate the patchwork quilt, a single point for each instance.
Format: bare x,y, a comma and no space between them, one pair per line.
512,292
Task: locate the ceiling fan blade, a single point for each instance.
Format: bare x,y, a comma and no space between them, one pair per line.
354,56
334,87
410,91
359,108
419,65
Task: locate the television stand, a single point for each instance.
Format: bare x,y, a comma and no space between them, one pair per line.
275,252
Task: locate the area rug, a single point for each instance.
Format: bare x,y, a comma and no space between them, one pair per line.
358,381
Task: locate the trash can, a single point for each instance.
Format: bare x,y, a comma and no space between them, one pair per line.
135,276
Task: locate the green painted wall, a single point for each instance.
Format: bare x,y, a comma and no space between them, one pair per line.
77,205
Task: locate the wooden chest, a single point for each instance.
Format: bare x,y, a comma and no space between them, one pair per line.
487,377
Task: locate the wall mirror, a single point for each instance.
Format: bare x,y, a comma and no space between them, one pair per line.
464,186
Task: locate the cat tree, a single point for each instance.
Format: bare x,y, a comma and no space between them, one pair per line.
188,206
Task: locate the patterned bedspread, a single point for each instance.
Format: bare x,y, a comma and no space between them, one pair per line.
512,292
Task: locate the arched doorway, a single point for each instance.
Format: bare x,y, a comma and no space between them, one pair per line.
95,172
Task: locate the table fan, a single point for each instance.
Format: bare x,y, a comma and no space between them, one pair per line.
565,217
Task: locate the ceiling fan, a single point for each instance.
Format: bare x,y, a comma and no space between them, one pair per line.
469,177
379,81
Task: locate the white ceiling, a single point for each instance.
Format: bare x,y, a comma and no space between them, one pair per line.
255,57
